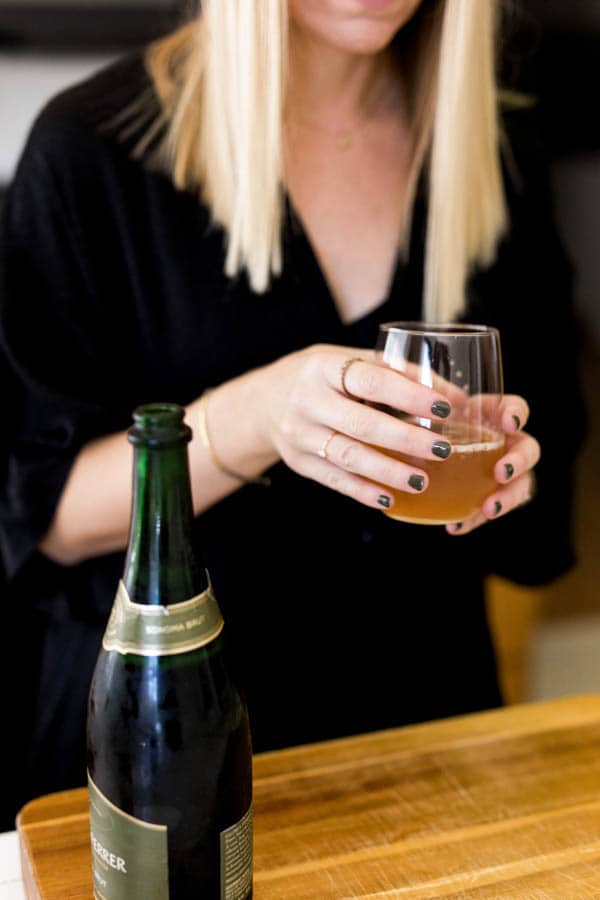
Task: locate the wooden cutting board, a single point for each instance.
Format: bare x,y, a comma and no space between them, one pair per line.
503,804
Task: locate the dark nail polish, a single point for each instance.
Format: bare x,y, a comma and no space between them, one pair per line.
384,501
441,408
417,482
458,526
517,422
509,470
441,449
497,507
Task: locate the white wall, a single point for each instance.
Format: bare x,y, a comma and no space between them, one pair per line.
27,81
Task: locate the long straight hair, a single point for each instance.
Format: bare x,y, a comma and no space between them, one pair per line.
221,81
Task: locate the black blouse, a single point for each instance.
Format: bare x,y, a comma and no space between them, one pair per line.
342,620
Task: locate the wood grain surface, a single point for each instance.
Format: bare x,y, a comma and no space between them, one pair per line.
495,805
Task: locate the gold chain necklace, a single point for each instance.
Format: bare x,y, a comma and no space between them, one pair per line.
343,138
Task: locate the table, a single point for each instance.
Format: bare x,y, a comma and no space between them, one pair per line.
503,804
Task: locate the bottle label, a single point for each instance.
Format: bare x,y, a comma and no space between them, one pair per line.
129,856
162,630
236,860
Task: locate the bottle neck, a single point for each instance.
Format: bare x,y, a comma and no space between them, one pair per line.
162,566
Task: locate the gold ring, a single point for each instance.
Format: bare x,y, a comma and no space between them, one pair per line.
344,372
323,448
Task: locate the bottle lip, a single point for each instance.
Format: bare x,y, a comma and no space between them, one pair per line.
159,425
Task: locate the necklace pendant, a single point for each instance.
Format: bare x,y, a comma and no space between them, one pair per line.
344,140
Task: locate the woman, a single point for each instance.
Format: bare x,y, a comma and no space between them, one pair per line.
235,211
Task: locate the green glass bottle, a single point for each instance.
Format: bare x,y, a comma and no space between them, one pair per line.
169,752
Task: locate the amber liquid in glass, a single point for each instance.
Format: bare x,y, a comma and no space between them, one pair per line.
458,485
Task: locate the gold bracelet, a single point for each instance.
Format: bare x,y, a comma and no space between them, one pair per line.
207,444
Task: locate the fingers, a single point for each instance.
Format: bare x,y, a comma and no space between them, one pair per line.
379,384
366,424
523,454
345,482
507,498
452,392
361,459
508,414
351,465
356,448
514,471
514,413
323,434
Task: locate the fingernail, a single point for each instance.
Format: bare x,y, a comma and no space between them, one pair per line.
441,449
497,507
509,470
384,501
517,422
441,408
458,526
417,482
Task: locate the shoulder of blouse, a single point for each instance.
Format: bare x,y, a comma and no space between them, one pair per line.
93,115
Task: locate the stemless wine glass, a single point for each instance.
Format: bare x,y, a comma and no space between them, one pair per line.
464,363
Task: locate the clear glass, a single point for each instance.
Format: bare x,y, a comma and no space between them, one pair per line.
464,363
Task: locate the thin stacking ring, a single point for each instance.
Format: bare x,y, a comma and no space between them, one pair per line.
344,372
323,448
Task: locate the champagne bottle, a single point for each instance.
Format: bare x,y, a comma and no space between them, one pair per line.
169,754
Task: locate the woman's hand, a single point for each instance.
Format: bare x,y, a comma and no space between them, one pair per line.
513,472
313,416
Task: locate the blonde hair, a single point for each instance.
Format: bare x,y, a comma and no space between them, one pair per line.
221,83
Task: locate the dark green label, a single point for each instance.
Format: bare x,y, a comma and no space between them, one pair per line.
236,860
129,857
162,630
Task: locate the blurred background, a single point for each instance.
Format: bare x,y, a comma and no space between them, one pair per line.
548,639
